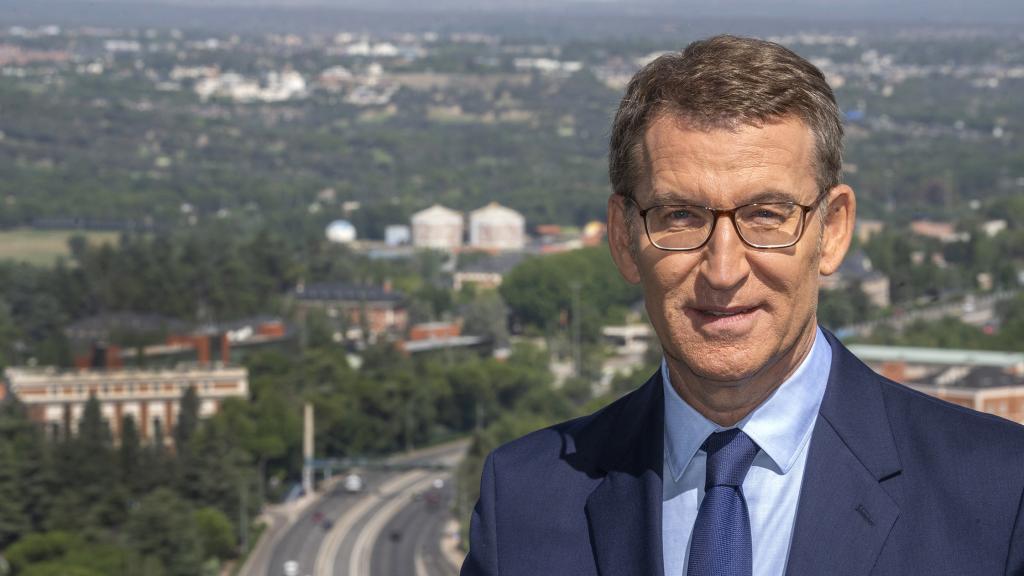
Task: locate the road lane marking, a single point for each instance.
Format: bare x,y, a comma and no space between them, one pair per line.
359,562
325,557
421,566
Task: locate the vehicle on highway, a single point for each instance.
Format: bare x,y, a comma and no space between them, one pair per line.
353,483
433,498
291,568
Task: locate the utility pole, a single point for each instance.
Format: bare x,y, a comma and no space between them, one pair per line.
577,354
407,427
307,449
243,516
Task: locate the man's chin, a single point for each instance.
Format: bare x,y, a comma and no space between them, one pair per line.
733,367
730,376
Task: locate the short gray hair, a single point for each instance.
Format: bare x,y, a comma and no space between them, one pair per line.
725,82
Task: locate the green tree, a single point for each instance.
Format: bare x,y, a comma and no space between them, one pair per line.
130,455
188,419
89,494
13,521
539,292
486,314
8,334
65,554
216,533
163,526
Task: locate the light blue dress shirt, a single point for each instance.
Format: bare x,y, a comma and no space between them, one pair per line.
782,427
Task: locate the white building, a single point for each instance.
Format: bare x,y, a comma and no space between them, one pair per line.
437,227
495,227
341,232
397,235
152,397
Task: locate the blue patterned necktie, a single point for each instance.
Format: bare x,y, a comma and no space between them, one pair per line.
721,543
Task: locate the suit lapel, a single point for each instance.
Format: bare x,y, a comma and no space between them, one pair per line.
848,500
624,510
626,534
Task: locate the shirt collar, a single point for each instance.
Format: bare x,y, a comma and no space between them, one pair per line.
781,425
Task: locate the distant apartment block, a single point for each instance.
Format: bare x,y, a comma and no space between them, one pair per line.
353,308
495,227
99,341
435,330
993,227
942,231
57,398
866,228
435,336
628,339
487,273
437,227
857,268
397,235
986,381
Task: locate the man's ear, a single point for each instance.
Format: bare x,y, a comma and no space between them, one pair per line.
839,228
620,239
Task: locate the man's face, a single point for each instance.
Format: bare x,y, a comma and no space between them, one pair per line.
726,312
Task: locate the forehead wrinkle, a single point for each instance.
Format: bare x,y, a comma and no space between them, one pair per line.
701,162
764,196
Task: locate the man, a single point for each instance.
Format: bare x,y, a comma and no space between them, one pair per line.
762,446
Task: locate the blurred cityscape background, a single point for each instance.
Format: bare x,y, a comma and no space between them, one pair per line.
275,277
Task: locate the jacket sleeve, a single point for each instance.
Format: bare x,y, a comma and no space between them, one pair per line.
482,559
1015,559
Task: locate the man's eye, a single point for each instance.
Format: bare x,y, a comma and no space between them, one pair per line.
682,218
681,214
767,215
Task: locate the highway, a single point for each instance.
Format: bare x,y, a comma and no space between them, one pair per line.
410,546
344,534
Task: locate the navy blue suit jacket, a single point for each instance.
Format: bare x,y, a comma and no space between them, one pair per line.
897,483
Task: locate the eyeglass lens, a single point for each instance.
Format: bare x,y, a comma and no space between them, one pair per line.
761,225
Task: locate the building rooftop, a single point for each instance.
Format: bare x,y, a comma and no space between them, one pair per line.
857,266
974,378
101,326
437,213
497,264
416,346
346,292
495,211
937,356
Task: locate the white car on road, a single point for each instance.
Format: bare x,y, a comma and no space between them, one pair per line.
353,483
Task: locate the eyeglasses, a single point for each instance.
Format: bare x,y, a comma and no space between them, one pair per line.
681,227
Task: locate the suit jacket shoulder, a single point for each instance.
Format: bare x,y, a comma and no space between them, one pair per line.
535,516
898,482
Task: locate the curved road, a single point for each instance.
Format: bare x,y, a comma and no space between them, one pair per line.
344,534
410,542
304,538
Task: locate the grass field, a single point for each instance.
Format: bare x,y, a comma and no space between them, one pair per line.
43,247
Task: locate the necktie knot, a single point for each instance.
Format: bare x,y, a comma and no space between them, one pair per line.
730,454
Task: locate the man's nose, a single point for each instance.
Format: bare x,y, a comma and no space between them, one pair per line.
725,263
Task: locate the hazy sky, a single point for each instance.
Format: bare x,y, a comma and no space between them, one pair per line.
923,10
535,18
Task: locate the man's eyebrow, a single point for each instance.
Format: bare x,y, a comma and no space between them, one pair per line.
666,198
663,198
771,195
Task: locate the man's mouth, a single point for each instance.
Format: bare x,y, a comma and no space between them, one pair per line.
725,312
732,319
